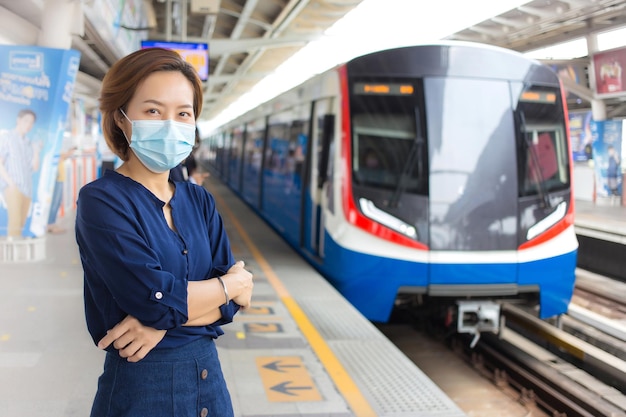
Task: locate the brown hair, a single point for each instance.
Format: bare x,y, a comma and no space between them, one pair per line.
121,81
24,112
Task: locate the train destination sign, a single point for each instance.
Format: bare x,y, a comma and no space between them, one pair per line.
391,89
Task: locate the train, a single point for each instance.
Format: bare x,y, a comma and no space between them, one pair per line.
438,173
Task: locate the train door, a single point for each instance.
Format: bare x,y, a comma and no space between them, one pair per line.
282,172
298,144
317,176
252,155
234,158
220,147
217,144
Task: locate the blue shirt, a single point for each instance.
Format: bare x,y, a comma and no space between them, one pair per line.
135,264
613,167
16,154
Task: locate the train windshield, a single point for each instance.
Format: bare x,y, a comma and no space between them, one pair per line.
389,153
544,160
387,147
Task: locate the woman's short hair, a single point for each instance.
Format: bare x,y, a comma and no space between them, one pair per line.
121,81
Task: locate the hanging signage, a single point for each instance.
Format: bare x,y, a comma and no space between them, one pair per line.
609,67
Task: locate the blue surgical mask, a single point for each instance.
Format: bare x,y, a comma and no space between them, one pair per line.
161,144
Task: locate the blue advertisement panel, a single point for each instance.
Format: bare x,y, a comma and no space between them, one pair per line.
580,135
36,86
607,150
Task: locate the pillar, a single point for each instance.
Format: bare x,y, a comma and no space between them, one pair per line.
60,19
598,107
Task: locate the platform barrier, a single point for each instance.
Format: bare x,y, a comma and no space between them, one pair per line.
80,169
23,249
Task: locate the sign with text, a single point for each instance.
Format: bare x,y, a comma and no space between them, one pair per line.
36,88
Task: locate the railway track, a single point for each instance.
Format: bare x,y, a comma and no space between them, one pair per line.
595,290
587,379
574,366
600,248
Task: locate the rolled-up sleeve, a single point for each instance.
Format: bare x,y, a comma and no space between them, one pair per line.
229,310
123,273
228,313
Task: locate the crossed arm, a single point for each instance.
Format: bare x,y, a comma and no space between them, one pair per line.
134,341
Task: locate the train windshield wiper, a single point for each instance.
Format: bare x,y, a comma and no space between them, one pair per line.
415,154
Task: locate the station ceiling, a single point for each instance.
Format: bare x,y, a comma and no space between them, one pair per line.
249,38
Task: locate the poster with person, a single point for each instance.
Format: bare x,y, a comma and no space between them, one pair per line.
580,135
36,87
607,151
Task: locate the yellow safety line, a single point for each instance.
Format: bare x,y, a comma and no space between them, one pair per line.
345,384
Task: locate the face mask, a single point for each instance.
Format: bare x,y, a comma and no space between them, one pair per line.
161,144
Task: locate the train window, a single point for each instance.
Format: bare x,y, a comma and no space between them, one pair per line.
544,158
545,167
277,144
288,136
379,146
387,147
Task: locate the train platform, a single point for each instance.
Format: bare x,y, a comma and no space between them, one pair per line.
601,232
300,350
601,221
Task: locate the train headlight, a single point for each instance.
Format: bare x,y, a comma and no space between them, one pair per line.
547,222
370,210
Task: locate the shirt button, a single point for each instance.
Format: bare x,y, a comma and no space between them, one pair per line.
204,374
204,412
185,251
158,295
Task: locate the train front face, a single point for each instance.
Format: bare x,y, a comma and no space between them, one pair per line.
464,151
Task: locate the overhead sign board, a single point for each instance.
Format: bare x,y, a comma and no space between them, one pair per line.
608,67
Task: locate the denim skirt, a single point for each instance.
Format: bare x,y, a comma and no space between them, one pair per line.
186,381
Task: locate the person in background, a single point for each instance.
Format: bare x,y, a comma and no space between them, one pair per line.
160,278
179,173
613,171
19,159
57,194
371,159
196,175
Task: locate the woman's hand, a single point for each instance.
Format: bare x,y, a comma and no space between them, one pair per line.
132,339
239,283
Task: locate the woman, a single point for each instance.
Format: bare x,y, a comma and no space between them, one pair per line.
160,277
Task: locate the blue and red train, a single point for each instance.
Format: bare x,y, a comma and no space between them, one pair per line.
438,172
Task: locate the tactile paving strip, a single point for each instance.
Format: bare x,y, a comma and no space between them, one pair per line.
390,381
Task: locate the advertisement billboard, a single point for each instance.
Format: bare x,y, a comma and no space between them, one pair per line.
197,54
36,87
607,151
608,72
